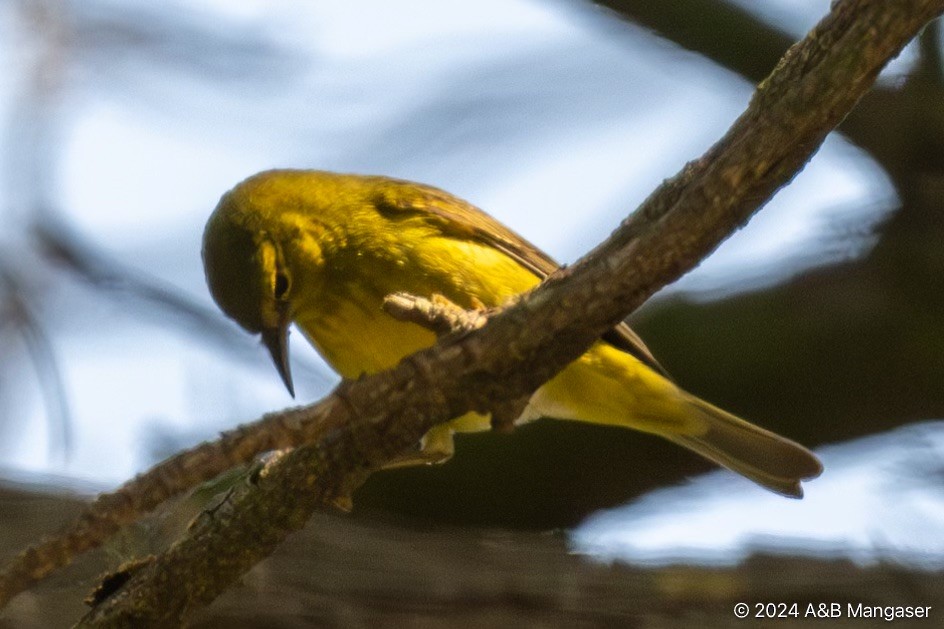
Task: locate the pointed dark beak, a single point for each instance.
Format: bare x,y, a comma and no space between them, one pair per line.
276,339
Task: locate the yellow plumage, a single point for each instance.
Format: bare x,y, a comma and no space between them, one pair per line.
323,250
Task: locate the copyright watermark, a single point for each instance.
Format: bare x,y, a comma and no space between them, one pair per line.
887,613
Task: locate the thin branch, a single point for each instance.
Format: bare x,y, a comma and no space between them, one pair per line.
43,354
69,250
813,87
740,41
187,469
110,511
729,35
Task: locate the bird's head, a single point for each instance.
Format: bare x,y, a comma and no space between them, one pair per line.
246,269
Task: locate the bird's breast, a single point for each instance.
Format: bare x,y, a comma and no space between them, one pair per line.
355,336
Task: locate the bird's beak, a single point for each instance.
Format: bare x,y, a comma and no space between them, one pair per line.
276,339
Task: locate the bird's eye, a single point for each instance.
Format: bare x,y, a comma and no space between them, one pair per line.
281,285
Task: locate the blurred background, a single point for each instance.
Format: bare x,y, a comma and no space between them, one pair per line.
122,123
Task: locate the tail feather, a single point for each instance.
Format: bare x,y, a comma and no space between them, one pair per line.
769,460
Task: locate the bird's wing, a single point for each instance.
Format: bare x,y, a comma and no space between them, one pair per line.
460,219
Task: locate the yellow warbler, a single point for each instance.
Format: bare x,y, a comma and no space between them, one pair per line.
322,250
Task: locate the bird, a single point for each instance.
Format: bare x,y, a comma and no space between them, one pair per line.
322,250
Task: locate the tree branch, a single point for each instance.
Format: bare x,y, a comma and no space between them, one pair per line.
276,431
743,43
728,35
374,418
40,348
66,248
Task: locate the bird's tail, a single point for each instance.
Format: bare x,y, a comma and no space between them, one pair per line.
769,460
